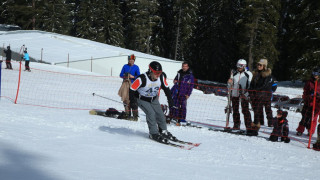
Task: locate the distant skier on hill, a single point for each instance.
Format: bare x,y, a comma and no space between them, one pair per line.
27,60
144,93
8,57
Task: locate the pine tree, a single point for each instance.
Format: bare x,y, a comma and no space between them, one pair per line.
214,41
140,18
300,39
259,31
54,17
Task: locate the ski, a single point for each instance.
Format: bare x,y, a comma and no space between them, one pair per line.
176,145
185,142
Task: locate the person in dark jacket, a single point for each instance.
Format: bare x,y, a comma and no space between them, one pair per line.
308,98
8,57
260,91
280,127
129,73
181,91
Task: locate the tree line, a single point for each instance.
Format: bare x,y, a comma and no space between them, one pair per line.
210,34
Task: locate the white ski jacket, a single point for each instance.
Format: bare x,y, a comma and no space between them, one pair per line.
241,83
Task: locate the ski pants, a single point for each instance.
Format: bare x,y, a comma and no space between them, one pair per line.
267,108
306,120
27,65
181,103
8,64
245,111
155,118
258,101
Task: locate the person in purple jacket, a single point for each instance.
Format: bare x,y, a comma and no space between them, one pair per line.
181,91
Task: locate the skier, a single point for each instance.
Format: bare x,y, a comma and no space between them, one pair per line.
27,60
308,96
260,91
181,91
280,127
240,80
129,73
144,93
8,58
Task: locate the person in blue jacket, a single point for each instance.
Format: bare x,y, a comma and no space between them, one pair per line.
27,60
129,73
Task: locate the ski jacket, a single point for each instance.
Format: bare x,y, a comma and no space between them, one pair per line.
146,89
133,70
308,93
26,57
280,127
241,82
261,83
8,54
184,83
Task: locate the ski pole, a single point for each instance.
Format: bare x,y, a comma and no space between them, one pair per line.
94,94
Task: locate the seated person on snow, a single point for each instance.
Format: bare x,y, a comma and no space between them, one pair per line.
280,127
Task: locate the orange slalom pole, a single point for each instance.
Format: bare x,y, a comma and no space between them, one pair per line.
15,101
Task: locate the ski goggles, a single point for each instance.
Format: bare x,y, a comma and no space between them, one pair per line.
315,73
157,73
241,65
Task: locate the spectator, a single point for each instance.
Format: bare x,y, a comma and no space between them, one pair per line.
27,60
308,98
267,105
129,73
181,91
260,91
8,57
280,127
144,93
240,80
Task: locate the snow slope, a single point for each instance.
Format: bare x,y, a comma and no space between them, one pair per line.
38,143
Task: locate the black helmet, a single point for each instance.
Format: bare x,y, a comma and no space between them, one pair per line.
8,47
155,67
316,71
282,113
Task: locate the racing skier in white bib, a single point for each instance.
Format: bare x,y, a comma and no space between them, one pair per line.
144,92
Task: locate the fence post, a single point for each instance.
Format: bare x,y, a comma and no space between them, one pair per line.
0,77
68,61
41,54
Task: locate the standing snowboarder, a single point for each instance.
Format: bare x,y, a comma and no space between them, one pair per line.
240,81
8,57
181,91
144,92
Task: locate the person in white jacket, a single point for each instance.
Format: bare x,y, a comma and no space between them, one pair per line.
240,80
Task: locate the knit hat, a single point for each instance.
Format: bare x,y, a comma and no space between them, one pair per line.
264,62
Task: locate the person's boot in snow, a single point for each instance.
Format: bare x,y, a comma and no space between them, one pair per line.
158,138
166,134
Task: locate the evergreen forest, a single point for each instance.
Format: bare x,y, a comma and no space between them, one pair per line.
210,34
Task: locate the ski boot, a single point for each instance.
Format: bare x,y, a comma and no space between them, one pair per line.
158,138
166,134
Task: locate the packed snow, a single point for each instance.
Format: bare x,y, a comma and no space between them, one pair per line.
51,141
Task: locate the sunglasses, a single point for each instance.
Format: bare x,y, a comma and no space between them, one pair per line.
157,73
241,65
259,64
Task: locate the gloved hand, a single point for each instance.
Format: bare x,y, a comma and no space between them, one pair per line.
171,104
